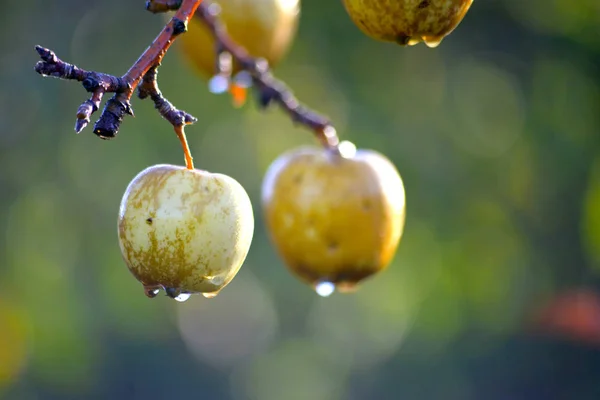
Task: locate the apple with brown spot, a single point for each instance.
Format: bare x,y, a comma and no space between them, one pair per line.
184,230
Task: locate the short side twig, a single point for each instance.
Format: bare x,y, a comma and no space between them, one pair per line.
178,118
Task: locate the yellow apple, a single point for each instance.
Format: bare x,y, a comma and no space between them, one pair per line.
265,28
335,219
407,22
186,231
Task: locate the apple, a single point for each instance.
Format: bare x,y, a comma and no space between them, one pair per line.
184,230
265,28
407,22
335,218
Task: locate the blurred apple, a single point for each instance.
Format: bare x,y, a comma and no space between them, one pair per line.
265,28
335,219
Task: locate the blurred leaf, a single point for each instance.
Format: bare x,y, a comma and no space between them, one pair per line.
591,217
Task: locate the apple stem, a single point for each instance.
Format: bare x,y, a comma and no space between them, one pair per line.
189,161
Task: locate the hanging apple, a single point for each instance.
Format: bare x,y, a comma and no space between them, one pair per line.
407,22
336,218
184,230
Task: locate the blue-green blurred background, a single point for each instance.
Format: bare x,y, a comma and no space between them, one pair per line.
496,134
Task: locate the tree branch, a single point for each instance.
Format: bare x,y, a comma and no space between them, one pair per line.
98,83
143,76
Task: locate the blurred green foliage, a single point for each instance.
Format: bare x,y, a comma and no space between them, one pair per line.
496,134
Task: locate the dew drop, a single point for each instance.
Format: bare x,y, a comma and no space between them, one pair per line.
218,84
432,41
347,149
325,289
243,79
182,297
151,291
210,295
214,9
414,41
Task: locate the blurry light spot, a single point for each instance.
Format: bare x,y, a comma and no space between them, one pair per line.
218,84
236,325
14,337
363,329
325,289
591,217
311,233
565,99
347,149
576,19
243,79
182,297
421,78
214,8
487,109
288,220
290,5
294,370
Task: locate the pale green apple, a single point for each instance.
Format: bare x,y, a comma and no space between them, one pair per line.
185,231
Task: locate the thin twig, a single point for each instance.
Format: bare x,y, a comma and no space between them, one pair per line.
178,118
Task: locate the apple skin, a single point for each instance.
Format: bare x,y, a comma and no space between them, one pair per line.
265,28
187,231
407,22
332,218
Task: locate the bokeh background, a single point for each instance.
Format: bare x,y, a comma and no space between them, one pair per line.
493,291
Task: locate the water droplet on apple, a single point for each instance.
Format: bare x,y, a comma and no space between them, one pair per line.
347,149
151,291
432,41
218,84
243,79
413,41
182,297
324,289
